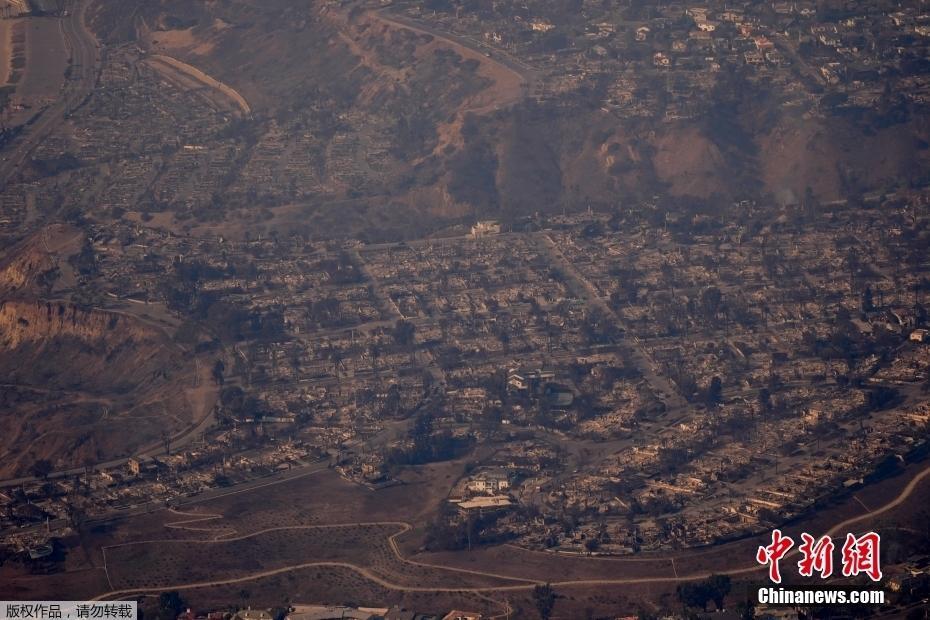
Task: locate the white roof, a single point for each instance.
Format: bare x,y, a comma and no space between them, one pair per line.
497,501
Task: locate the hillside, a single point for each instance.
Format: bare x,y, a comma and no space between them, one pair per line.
79,384
408,129
59,345
39,262
83,384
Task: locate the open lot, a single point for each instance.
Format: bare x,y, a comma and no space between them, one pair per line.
247,546
6,51
43,73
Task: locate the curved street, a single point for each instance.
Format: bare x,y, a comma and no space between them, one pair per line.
528,584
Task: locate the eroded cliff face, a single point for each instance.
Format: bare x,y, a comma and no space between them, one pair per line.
16,275
82,384
61,345
37,322
34,265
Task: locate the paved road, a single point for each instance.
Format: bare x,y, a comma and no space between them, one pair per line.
83,75
635,352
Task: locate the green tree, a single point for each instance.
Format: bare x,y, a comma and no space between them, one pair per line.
715,391
544,599
715,588
42,468
694,594
218,369
765,398
404,332
170,605
85,262
868,304
718,587
711,299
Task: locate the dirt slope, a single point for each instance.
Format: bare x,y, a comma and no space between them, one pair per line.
83,384
457,139
39,259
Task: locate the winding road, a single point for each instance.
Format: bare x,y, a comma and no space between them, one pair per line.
525,72
202,396
525,584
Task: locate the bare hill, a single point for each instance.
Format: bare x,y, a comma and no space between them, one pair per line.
79,384
406,122
84,384
39,261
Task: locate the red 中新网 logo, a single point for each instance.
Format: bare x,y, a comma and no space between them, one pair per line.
859,555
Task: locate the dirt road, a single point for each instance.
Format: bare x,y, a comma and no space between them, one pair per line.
525,584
